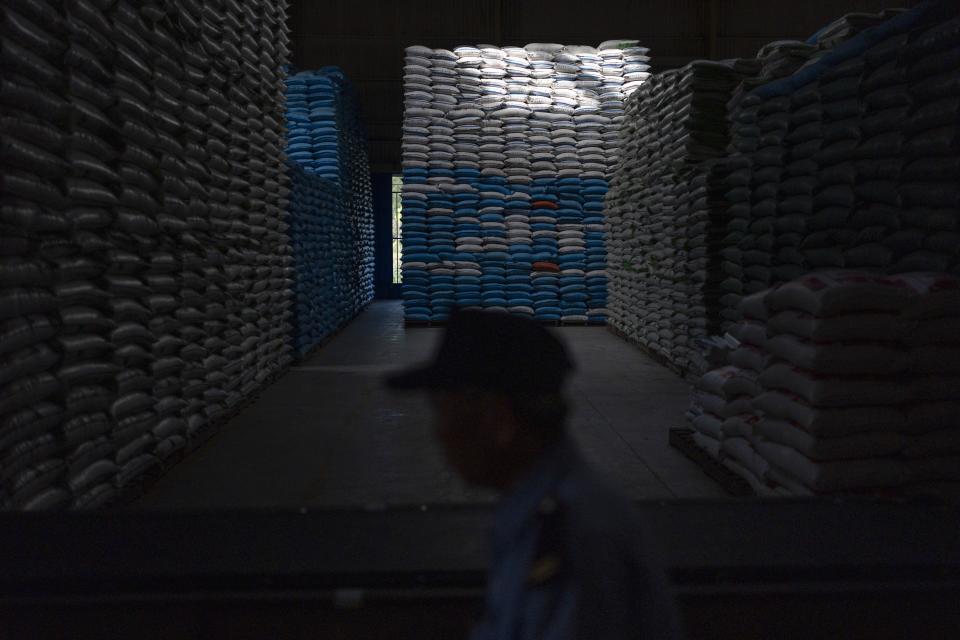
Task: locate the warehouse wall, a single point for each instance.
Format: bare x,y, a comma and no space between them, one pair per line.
368,44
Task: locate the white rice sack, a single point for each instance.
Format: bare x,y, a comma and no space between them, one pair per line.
745,382
787,482
743,452
836,422
939,468
935,388
945,442
755,306
839,358
707,423
711,352
720,406
935,359
713,381
750,332
544,47
617,45
737,405
861,445
934,295
740,426
419,51
750,357
708,444
932,331
760,487
834,293
878,327
828,477
834,391
931,416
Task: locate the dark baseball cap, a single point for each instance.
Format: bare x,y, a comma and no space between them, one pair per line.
491,350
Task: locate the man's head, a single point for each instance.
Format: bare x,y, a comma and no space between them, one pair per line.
496,386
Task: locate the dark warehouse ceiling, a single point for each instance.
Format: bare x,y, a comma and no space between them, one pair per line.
366,38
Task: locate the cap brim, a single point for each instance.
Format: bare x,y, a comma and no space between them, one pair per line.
425,377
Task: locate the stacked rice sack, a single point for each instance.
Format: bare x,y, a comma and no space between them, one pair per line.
506,155
754,255
255,249
143,281
752,178
861,363
851,162
847,164
665,208
843,382
847,26
722,413
34,219
331,205
782,58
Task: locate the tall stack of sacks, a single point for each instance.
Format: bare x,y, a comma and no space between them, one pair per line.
506,153
355,231
183,273
750,254
839,384
141,239
777,60
248,228
700,225
848,163
318,225
739,432
722,412
629,209
313,130
331,208
767,202
856,398
267,208
755,176
626,289
843,165
830,379
663,234
745,171
34,221
928,182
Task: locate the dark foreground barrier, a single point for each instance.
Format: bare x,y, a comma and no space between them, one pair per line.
745,569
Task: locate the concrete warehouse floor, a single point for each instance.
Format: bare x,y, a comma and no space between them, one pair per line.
328,434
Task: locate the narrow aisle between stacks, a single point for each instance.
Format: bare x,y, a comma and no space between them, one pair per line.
328,434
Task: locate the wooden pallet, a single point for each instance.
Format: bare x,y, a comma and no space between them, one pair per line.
682,440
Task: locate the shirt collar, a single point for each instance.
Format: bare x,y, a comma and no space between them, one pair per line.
521,501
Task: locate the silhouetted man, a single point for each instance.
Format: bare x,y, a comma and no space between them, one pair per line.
566,548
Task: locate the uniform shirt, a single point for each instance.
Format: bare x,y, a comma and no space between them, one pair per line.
566,561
